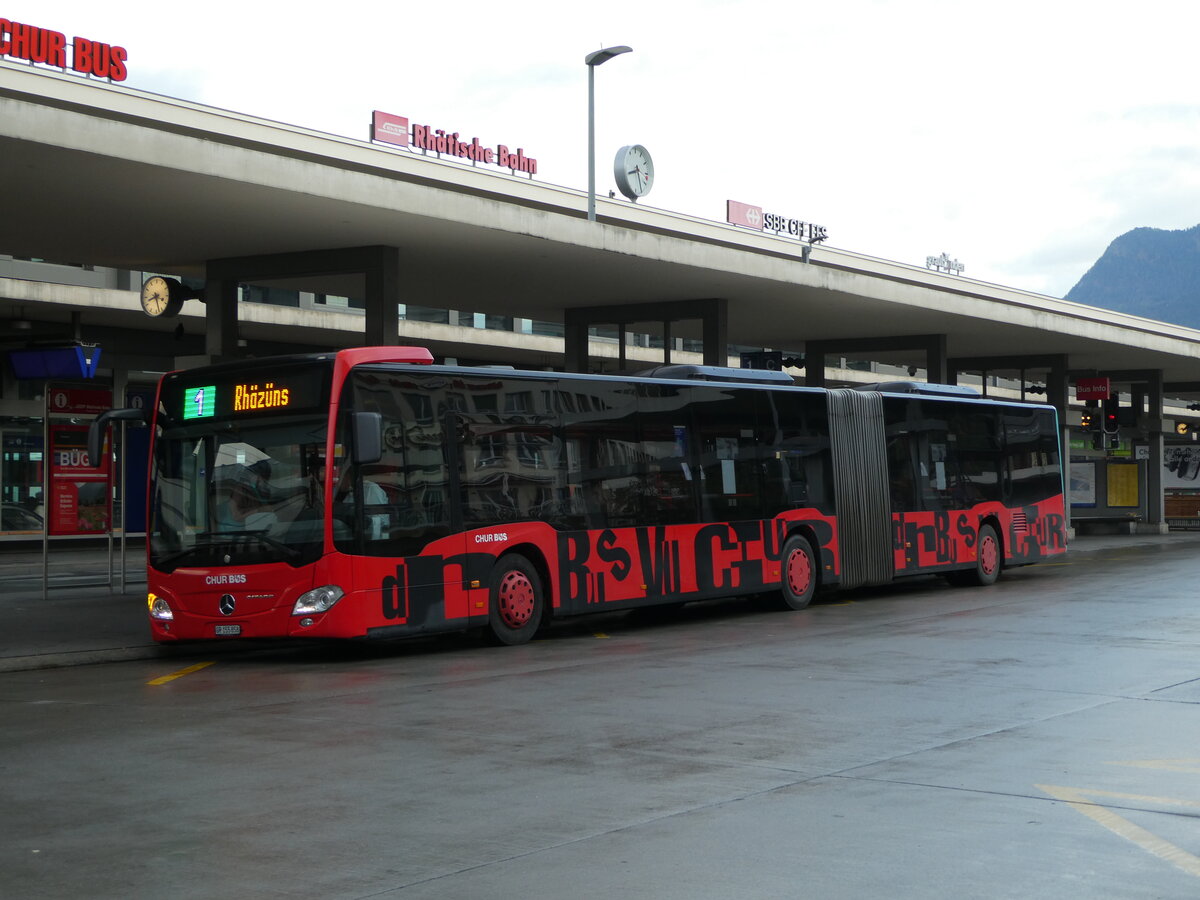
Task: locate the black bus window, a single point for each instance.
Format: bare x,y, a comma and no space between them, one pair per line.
601,455
797,465
975,471
728,452
513,472
933,471
1031,457
395,506
668,489
902,484
668,480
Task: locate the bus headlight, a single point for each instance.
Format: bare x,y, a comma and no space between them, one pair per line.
159,608
318,600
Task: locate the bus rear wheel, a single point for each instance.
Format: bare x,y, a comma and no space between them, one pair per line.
989,560
516,600
799,582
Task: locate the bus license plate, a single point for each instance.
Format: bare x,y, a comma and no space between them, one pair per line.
228,630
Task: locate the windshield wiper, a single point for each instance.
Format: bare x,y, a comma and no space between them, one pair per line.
205,540
235,537
178,555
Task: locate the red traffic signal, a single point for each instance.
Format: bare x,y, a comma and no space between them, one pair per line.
1110,416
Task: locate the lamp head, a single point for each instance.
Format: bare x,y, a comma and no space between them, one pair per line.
602,56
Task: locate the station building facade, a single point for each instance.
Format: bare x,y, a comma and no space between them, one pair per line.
521,261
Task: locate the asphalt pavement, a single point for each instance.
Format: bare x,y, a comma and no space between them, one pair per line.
70,606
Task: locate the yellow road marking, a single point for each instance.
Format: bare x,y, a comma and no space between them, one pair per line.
1166,765
1122,827
601,635
1137,798
188,671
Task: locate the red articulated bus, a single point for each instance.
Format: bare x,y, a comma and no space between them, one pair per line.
370,493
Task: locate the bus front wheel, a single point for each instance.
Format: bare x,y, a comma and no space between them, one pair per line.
799,582
516,600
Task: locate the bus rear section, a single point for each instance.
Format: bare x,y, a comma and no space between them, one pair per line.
361,495
934,479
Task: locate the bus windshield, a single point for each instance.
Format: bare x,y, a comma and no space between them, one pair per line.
238,492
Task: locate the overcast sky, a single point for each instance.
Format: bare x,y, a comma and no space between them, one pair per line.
1019,138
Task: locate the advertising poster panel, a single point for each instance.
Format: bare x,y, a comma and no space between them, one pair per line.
80,499
1181,467
1083,484
1122,485
78,490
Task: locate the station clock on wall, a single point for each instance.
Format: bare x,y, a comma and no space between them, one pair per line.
634,171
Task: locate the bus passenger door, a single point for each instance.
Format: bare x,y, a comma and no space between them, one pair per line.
394,516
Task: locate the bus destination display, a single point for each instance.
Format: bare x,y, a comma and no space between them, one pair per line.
286,392
200,402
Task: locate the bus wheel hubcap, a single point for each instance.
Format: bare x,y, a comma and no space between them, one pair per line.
516,599
799,573
988,555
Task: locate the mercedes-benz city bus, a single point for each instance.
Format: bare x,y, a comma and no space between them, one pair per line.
370,493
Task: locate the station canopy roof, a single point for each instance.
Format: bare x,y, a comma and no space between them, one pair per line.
108,176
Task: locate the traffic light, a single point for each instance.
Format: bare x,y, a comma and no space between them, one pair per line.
1087,420
1109,417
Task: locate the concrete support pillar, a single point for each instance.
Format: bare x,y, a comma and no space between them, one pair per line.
715,316
220,319
383,297
575,342
814,364
936,371
1156,516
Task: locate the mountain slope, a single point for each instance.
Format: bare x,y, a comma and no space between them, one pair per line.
1147,272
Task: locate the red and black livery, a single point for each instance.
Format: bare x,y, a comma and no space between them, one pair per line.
369,493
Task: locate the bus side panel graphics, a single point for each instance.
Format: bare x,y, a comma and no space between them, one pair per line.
1035,532
591,570
649,565
422,591
925,541
429,592
445,587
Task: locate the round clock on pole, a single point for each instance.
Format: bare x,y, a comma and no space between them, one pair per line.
634,171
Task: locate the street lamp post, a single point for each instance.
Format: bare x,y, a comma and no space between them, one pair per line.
592,60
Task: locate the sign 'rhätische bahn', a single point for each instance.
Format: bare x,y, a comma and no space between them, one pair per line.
395,130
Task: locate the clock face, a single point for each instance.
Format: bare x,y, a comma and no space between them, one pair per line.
634,171
160,297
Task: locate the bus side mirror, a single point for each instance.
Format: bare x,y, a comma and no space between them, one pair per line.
96,430
368,437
